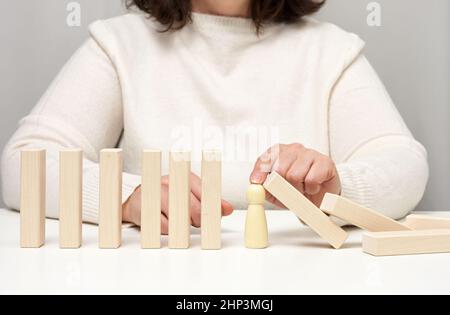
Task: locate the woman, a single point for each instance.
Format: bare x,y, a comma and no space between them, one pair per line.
195,74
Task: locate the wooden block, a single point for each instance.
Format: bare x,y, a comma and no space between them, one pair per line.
358,215
32,198
211,207
305,210
151,199
406,242
424,222
110,210
179,199
70,197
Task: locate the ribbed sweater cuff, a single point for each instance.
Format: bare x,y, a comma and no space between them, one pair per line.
91,192
354,186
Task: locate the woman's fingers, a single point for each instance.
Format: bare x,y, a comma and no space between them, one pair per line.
165,200
320,172
227,208
278,158
283,163
195,211
196,186
196,189
264,164
195,200
195,207
309,171
299,170
164,224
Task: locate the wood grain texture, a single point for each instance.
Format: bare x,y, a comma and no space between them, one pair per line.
179,199
305,210
406,242
358,215
70,198
110,209
424,222
32,198
151,199
211,209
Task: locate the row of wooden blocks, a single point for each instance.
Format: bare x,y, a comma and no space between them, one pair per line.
385,236
32,210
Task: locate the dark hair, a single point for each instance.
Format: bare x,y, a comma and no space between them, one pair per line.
175,14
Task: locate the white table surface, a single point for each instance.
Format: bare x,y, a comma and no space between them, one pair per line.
296,262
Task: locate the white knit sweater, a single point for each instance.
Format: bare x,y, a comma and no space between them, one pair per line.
216,84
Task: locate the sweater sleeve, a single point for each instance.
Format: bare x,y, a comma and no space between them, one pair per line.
380,164
81,109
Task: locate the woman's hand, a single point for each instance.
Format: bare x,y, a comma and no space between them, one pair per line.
132,207
309,171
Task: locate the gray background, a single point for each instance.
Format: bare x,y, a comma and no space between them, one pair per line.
410,52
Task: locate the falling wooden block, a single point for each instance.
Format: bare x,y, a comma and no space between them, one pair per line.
32,198
406,242
151,199
305,210
110,209
358,215
179,199
211,208
70,197
424,222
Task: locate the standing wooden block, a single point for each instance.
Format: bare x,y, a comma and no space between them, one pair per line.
179,199
211,200
151,199
358,215
32,198
406,242
70,198
110,210
305,210
424,222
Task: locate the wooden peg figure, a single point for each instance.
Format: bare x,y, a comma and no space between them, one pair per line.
256,235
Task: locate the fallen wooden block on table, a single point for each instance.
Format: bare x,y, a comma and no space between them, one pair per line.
358,215
305,210
406,242
424,222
